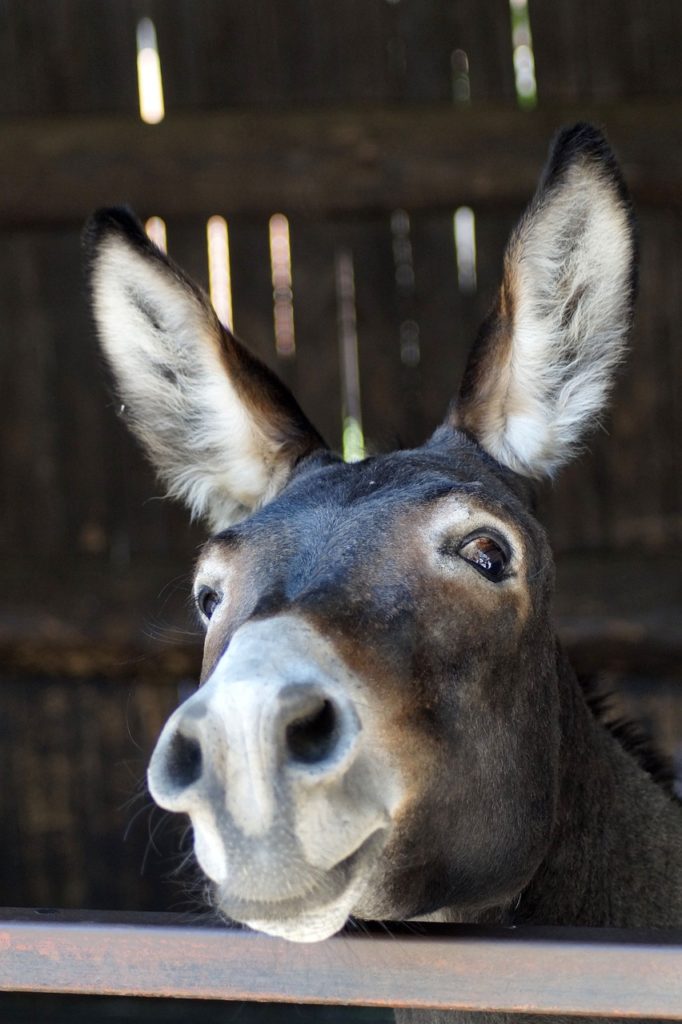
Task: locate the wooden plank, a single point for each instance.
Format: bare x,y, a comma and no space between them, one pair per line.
317,384
484,33
315,162
30,458
426,35
603,51
216,53
423,38
64,448
384,397
553,970
443,316
449,318
626,490
59,56
646,478
96,618
616,612
252,290
329,52
74,806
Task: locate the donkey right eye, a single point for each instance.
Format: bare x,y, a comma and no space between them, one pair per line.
207,601
486,555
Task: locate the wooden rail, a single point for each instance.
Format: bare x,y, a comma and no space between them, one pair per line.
532,970
320,162
618,613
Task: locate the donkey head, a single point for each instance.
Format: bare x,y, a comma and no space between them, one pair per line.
377,729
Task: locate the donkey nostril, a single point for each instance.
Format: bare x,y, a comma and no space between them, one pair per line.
184,761
313,737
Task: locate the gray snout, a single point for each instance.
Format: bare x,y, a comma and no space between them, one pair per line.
273,732
269,760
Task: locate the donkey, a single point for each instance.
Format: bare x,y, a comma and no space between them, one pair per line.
387,726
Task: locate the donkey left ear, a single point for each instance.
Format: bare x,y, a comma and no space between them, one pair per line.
221,430
544,361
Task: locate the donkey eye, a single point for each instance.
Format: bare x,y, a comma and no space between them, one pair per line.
486,555
207,601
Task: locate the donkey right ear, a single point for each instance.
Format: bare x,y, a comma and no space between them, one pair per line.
544,361
221,430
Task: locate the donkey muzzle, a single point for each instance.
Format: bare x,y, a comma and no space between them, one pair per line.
269,760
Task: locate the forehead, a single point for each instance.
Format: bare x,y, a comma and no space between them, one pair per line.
326,495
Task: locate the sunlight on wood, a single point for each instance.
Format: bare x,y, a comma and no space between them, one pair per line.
282,287
156,230
524,59
403,260
219,275
149,79
464,223
459,70
353,438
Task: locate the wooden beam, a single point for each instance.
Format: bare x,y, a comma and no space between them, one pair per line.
614,612
532,970
321,162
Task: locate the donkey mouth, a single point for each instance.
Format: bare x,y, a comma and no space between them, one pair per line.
329,898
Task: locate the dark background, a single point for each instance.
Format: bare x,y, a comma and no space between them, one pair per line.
337,113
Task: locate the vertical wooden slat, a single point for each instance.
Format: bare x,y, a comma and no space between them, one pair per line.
215,53
34,502
485,33
331,52
252,287
625,490
441,313
67,55
493,228
226,54
448,318
79,407
317,382
382,379
252,295
602,51
69,795
422,39
644,469
425,35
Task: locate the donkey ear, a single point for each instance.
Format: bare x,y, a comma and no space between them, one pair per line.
543,363
221,430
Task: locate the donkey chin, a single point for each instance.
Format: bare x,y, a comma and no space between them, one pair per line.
322,909
281,883
302,902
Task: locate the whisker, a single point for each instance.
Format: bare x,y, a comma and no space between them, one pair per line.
152,833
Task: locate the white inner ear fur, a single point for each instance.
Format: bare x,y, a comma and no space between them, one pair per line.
201,437
568,267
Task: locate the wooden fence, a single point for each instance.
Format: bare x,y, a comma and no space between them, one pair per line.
530,970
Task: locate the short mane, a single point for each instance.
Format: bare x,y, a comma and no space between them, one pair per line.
632,735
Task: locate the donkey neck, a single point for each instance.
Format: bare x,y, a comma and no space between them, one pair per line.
616,854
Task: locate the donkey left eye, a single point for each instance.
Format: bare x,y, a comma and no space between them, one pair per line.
207,601
486,555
